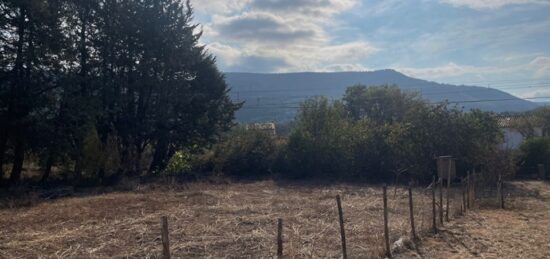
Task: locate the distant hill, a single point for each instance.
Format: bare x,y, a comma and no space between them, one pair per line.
275,97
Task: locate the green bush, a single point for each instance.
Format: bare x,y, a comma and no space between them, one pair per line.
323,142
245,154
534,151
180,163
381,133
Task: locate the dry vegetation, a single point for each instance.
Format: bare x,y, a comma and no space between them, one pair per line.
239,221
520,231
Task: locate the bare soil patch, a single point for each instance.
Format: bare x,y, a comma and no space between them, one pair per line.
522,230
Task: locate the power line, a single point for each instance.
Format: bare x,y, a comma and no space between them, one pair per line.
507,87
441,102
377,98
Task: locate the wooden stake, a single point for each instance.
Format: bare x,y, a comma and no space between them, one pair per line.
342,231
411,210
434,223
441,201
448,190
502,195
463,181
165,240
280,238
386,229
474,182
468,194
500,191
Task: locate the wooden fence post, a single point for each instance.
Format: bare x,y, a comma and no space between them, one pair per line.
468,189
165,239
474,182
386,229
342,231
434,223
448,191
463,183
500,191
411,210
280,238
441,201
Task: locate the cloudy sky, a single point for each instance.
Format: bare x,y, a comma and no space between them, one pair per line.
496,43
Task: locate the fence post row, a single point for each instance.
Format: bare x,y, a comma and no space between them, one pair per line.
386,230
467,190
342,230
164,237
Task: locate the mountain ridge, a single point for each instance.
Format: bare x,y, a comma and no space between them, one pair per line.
275,96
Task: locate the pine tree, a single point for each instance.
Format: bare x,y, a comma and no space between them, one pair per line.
31,46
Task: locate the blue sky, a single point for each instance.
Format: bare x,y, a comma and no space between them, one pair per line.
502,44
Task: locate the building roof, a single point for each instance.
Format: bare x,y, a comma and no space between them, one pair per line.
261,126
512,120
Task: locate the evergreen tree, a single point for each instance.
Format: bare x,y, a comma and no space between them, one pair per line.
31,46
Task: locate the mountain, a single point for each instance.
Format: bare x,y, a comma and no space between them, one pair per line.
276,97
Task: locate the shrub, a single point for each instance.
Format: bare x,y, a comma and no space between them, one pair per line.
321,144
244,154
532,152
180,163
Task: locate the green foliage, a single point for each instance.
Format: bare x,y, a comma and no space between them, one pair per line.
180,163
319,143
245,154
132,70
535,151
99,157
380,133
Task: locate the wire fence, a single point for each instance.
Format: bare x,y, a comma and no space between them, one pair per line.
398,218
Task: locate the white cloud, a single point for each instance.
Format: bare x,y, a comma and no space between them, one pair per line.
263,27
449,70
490,4
541,65
219,6
291,33
298,57
319,58
227,54
313,8
536,94
343,68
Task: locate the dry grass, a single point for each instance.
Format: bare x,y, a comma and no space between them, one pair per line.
211,221
520,231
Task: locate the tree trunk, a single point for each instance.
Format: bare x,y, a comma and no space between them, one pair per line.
161,156
3,144
47,169
19,156
139,155
78,168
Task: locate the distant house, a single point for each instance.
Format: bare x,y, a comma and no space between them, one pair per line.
517,128
267,127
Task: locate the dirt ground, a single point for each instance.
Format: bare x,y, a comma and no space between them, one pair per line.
239,221
522,230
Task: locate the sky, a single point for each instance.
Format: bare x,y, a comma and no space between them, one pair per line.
502,44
